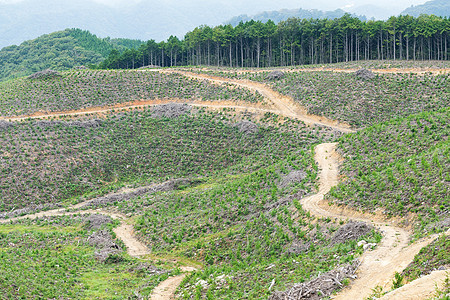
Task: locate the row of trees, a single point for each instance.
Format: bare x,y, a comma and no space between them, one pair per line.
295,41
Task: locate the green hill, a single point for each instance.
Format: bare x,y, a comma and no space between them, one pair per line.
60,50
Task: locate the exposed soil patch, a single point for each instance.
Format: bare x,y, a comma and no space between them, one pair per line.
293,177
119,197
275,75
364,74
95,222
247,127
103,241
5,124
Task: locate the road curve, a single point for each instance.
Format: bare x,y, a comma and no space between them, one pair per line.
284,105
391,255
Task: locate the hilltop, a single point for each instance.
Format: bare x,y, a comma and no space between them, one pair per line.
60,50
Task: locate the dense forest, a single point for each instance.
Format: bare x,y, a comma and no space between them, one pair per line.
60,50
295,41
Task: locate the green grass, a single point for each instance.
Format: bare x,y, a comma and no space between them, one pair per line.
44,259
401,166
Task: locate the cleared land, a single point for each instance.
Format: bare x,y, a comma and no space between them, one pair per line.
343,96
240,213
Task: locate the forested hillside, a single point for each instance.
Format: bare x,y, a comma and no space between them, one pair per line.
296,41
59,50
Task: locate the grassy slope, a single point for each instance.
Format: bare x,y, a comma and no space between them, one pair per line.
244,203
361,103
240,222
401,166
45,163
429,259
51,258
86,88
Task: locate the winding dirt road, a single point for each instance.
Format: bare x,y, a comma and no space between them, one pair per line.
280,104
392,254
378,266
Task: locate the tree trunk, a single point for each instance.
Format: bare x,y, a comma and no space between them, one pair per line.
242,54
231,60
258,51
331,49
407,47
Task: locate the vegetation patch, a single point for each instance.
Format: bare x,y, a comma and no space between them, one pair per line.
400,166
54,164
348,98
52,258
433,257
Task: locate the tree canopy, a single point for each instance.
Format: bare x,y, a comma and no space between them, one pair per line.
296,41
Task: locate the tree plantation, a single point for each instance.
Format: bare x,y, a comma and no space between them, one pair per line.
295,41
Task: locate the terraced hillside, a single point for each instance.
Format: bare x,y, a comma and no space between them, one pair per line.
122,202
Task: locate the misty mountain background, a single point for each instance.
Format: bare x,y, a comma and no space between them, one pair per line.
22,20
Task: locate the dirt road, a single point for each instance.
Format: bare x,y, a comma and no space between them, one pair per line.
280,104
166,289
391,255
283,105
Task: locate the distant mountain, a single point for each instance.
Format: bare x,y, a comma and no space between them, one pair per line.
21,20
436,7
60,50
284,14
372,11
